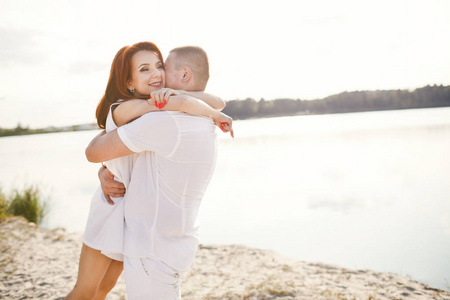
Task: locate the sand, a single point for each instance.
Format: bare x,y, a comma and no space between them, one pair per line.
42,264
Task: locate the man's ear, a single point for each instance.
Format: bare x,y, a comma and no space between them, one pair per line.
187,74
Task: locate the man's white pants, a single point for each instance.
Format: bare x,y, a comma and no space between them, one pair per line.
149,279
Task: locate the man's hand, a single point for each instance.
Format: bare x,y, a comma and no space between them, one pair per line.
110,187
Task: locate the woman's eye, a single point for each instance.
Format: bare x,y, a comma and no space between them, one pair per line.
161,67
144,69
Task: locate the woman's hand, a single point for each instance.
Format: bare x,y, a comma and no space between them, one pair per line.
160,97
224,122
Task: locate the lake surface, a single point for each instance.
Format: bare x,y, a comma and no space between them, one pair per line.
361,190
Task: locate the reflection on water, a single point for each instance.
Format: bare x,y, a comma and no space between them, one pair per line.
363,190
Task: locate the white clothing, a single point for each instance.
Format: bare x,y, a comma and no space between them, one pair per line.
177,156
104,227
165,185
150,279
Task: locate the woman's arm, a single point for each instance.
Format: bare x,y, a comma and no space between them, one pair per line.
215,102
197,107
210,99
133,109
130,110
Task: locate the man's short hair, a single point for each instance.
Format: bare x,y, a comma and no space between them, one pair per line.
195,58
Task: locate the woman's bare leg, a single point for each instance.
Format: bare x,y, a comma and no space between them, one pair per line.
109,280
91,271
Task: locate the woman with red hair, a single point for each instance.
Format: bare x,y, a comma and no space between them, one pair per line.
137,74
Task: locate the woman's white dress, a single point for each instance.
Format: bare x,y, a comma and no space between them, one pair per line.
105,224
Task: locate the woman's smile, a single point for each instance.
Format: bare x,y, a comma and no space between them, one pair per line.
156,84
147,73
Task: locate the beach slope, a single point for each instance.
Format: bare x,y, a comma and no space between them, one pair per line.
42,264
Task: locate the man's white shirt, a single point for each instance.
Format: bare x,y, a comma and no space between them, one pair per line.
176,158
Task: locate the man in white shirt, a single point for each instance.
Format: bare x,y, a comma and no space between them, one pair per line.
177,155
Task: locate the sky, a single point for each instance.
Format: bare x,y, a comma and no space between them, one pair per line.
55,55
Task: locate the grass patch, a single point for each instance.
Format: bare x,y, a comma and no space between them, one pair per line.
27,202
3,206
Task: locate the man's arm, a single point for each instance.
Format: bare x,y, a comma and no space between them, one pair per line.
110,187
106,146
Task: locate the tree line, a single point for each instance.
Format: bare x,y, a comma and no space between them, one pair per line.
21,130
358,101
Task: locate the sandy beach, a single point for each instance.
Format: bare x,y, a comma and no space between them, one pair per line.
42,264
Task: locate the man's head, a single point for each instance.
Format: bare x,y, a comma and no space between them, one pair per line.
187,68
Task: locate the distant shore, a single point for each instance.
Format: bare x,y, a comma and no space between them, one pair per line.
42,264
346,102
20,130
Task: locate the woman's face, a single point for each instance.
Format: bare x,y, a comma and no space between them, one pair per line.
147,73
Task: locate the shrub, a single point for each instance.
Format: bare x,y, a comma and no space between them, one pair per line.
28,203
3,206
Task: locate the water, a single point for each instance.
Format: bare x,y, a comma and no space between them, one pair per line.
362,190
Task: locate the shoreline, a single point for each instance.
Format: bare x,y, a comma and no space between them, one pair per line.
39,263
9,132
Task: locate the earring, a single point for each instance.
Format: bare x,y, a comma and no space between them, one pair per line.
132,90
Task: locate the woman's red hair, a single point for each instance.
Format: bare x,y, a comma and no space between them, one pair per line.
119,76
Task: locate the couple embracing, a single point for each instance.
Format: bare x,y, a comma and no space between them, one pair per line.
159,151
